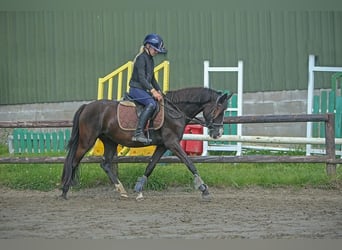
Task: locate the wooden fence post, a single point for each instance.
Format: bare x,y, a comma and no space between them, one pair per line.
330,145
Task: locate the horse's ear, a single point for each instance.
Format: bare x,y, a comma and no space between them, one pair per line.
223,98
230,95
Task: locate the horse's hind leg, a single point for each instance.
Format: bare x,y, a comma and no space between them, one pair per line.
78,147
160,150
72,162
110,167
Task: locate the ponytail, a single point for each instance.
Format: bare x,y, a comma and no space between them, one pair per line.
141,50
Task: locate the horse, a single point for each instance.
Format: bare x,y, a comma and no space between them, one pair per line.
99,120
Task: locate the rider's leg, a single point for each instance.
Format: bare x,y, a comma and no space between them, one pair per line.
144,116
150,104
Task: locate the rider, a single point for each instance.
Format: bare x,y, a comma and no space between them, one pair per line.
143,86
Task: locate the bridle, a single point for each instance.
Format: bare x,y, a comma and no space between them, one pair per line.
211,125
208,123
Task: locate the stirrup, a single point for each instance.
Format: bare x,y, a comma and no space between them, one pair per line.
141,138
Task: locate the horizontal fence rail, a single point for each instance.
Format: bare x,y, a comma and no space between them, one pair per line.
226,120
329,158
277,118
259,139
37,124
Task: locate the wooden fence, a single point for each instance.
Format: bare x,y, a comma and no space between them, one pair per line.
329,158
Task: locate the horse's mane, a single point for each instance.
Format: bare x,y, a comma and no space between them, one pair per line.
192,95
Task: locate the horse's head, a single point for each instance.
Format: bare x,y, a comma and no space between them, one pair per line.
213,114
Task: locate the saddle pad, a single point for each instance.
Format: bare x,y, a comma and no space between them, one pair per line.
128,119
128,103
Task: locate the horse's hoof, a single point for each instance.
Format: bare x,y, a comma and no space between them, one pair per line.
206,197
62,197
124,196
140,197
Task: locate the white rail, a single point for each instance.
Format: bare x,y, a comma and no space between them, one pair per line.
259,139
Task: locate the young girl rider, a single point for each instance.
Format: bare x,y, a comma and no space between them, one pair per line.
143,85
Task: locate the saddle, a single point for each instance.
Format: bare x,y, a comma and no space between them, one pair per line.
128,112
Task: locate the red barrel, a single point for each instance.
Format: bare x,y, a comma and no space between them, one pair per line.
194,147
183,142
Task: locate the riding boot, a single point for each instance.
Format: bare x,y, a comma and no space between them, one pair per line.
139,132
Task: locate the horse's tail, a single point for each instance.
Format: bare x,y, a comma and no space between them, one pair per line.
69,174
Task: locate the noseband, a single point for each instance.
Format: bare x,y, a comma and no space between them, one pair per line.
210,124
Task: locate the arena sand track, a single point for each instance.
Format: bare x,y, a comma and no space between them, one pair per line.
279,213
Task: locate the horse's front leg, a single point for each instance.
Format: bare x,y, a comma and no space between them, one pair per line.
111,168
198,182
158,153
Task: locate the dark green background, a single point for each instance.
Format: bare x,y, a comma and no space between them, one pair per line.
54,51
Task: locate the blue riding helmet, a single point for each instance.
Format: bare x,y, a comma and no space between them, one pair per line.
156,42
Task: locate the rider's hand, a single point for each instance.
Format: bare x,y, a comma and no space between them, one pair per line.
157,95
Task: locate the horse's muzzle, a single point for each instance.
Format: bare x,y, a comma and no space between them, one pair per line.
216,133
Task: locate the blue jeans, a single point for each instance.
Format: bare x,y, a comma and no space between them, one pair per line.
142,97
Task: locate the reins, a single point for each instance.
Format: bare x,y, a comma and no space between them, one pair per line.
209,125
195,119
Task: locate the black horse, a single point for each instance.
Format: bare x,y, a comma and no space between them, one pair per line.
99,119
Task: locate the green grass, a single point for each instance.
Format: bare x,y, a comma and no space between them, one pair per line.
3,150
47,176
